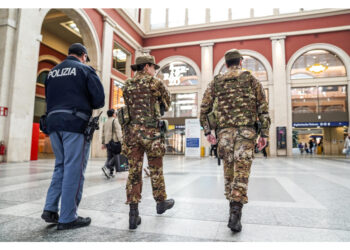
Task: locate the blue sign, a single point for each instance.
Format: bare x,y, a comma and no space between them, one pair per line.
319,124
192,142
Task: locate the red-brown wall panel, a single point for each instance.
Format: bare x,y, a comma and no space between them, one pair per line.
45,65
313,23
97,20
40,90
46,50
262,46
192,52
340,39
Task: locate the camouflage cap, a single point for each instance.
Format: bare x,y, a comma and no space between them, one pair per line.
232,54
143,60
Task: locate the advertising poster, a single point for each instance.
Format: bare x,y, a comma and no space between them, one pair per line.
192,133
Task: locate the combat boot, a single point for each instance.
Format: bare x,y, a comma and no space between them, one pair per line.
164,205
234,222
134,218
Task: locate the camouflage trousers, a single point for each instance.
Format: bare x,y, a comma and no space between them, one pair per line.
236,148
137,140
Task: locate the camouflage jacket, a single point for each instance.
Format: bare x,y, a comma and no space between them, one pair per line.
143,94
240,101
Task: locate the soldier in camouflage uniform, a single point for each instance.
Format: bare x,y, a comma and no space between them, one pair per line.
241,103
143,95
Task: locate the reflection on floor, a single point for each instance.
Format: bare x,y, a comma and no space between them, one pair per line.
290,199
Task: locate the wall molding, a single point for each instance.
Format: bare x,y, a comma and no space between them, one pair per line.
123,34
252,37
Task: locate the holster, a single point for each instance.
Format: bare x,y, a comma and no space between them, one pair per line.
43,124
123,115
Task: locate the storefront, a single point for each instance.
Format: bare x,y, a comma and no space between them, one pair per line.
181,79
319,96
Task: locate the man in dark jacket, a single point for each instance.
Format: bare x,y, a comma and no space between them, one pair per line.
72,91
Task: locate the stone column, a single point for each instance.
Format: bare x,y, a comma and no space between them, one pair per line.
8,25
22,84
106,67
281,94
206,77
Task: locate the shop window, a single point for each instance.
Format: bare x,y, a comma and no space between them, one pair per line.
332,99
304,100
158,18
324,99
120,59
196,15
176,17
252,65
117,95
42,77
178,74
183,105
218,14
317,64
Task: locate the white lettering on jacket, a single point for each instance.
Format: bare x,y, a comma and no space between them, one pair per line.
62,72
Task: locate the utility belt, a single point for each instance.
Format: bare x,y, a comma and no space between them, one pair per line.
162,124
43,118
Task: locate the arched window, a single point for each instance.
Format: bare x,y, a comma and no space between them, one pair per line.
317,64
42,77
252,65
178,73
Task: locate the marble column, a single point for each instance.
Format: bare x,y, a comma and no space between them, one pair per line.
8,25
281,95
106,67
21,91
206,77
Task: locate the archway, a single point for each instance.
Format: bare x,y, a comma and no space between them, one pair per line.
182,77
319,81
60,28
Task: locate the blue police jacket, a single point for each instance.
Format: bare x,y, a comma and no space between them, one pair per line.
72,85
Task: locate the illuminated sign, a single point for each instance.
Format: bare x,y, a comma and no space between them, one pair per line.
174,77
317,68
319,124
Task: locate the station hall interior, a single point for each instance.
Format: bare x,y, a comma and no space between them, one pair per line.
300,55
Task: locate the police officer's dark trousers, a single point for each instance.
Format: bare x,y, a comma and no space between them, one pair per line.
72,153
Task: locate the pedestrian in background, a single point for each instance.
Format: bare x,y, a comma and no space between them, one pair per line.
111,137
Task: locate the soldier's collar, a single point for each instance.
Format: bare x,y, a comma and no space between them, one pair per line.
233,68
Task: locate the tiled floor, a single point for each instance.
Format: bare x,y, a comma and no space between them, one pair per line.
290,199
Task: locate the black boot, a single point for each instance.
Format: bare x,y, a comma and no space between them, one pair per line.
234,222
79,222
49,216
134,218
164,205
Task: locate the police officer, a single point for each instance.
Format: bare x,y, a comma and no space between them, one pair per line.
143,95
72,91
240,103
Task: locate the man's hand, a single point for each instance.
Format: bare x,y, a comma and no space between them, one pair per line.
211,139
262,142
103,146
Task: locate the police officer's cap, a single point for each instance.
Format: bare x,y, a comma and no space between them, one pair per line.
78,49
232,54
144,60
